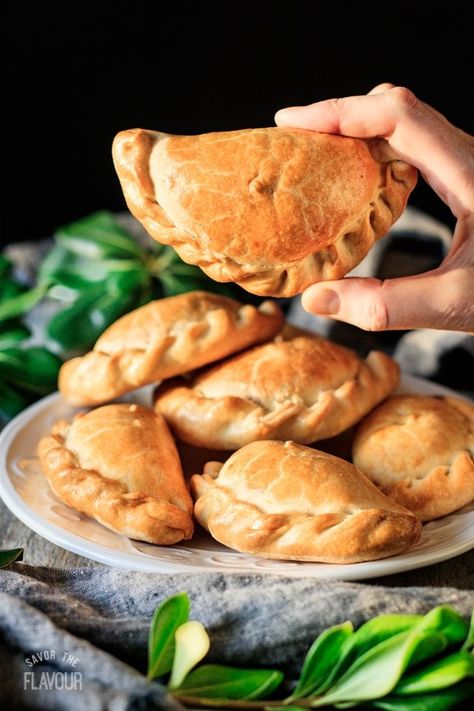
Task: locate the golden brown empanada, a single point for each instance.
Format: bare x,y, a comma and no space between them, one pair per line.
273,209
119,465
162,339
300,387
283,500
419,451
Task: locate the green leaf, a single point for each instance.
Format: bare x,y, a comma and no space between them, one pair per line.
191,645
451,698
375,673
9,289
321,659
170,615
18,305
79,326
7,557
369,635
468,645
215,681
5,265
35,369
437,675
97,236
11,333
11,401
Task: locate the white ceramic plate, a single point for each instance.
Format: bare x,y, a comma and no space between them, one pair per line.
26,493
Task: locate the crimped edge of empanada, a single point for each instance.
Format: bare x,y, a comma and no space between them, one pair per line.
131,153
132,514
231,422
339,538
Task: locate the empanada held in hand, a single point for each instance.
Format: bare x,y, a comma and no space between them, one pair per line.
162,339
272,209
119,465
420,451
300,387
286,501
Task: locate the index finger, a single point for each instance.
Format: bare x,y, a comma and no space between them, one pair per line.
416,132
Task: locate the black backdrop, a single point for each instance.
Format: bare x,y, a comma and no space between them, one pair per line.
80,72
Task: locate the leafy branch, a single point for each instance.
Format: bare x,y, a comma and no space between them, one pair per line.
392,662
95,273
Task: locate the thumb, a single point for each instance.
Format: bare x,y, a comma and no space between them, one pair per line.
436,299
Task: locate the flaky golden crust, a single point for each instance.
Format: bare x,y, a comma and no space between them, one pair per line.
119,465
162,339
282,500
419,451
300,387
272,209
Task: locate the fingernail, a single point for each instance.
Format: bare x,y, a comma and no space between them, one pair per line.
321,301
284,114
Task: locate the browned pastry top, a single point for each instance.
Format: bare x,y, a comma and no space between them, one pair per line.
273,209
420,451
119,465
283,500
162,339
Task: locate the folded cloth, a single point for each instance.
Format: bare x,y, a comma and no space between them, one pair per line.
100,617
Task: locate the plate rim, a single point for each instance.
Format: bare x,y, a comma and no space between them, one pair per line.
145,563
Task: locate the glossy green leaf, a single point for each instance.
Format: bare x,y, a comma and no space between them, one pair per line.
321,658
437,675
34,369
375,673
12,401
97,236
79,326
468,645
10,556
369,635
161,645
11,333
20,304
444,700
78,272
215,681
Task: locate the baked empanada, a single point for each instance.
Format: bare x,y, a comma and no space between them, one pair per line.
282,500
272,209
300,387
162,339
119,465
420,451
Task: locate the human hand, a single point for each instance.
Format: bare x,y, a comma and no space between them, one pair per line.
443,297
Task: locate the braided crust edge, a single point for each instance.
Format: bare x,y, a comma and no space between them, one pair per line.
339,538
131,152
107,372
132,514
231,422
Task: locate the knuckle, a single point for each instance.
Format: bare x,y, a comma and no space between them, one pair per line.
374,315
402,98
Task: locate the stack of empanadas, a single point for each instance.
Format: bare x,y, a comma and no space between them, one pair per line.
234,378
273,210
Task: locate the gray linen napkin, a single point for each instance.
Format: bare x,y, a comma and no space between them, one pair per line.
101,617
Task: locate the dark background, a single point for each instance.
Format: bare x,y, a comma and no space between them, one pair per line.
78,73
